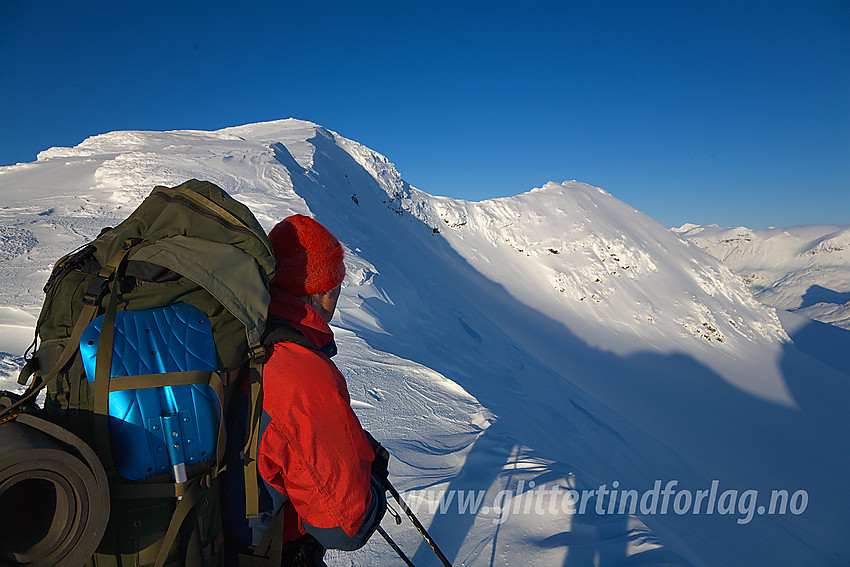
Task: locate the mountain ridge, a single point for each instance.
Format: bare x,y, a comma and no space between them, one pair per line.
558,336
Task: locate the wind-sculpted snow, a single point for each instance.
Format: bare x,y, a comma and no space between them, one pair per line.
514,352
15,241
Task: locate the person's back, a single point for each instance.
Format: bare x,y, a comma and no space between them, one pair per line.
313,458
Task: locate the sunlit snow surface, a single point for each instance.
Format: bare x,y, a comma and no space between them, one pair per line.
805,269
558,337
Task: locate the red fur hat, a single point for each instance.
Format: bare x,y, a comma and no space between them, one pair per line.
308,258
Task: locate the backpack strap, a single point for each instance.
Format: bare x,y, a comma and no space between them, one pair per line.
181,512
249,452
278,330
100,387
268,552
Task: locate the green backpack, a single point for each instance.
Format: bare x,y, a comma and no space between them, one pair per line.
142,336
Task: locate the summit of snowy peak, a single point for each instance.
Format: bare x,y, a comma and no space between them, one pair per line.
685,227
578,249
835,242
553,187
548,186
272,129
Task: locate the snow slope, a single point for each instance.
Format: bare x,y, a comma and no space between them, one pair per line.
805,269
558,337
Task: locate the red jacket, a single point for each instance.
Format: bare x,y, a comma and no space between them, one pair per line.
314,450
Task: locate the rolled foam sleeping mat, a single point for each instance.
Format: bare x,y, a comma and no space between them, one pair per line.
54,496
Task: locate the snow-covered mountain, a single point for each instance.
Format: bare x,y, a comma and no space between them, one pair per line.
558,337
804,269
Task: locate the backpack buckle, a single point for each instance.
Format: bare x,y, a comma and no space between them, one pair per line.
11,415
9,407
258,353
130,242
94,294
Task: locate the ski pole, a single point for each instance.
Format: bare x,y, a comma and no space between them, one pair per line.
395,547
418,524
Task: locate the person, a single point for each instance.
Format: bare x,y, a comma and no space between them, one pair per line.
314,460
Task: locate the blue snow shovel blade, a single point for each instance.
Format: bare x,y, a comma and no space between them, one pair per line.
145,424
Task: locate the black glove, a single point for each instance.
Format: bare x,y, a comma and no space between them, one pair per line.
381,461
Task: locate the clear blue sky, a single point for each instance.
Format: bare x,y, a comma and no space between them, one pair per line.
734,112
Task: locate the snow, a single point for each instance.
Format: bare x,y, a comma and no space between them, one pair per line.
802,269
558,337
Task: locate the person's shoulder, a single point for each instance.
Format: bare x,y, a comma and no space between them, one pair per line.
298,377
303,366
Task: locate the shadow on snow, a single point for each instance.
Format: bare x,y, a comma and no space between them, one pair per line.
593,415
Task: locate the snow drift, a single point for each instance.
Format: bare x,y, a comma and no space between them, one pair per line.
516,349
